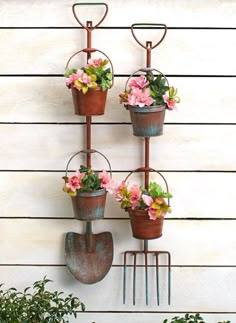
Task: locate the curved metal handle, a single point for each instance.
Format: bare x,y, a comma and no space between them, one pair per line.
148,169
92,50
89,4
148,25
146,70
88,151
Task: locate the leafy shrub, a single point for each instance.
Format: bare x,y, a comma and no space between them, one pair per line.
41,306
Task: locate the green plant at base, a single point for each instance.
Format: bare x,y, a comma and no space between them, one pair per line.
189,318
41,306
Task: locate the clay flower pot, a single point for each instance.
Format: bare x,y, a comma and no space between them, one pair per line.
147,96
90,104
89,206
144,228
147,121
89,84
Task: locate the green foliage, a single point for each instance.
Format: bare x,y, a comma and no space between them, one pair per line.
90,181
157,87
41,306
189,318
70,71
155,190
103,76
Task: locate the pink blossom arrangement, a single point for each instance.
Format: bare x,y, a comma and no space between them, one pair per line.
85,179
151,199
94,74
148,90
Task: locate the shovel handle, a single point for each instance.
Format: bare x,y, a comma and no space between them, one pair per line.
90,4
148,25
88,151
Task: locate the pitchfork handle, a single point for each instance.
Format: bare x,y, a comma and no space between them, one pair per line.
148,43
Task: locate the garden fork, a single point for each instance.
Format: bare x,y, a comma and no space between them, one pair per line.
146,252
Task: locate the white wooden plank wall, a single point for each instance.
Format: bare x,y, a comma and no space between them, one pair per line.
39,132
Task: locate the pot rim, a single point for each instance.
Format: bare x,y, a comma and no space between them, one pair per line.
146,109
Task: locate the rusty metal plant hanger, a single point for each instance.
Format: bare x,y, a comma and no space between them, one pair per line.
134,253
89,256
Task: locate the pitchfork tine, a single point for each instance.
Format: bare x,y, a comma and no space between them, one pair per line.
146,268
157,278
169,283
169,273
124,278
146,253
134,278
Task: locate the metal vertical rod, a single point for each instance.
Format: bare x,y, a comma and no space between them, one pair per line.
88,138
89,235
89,25
147,139
147,144
88,118
147,153
148,58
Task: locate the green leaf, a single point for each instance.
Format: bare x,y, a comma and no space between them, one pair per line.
70,71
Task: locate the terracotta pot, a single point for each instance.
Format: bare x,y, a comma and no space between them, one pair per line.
147,121
143,227
91,103
89,206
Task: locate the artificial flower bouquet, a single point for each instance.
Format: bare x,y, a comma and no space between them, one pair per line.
89,86
149,90
94,74
147,97
138,198
86,179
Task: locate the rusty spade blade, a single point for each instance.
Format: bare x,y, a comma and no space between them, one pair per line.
89,256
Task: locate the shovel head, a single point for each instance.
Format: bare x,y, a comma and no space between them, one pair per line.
89,256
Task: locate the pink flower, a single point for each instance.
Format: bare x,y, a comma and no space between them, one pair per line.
135,196
119,191
94,62
140,97
139,82
73,77
156,208
85,79
106,182
84,82
73,183
171,103
171,99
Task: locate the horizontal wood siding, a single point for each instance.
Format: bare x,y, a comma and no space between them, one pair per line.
25,194
199,46
190,242
37,99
